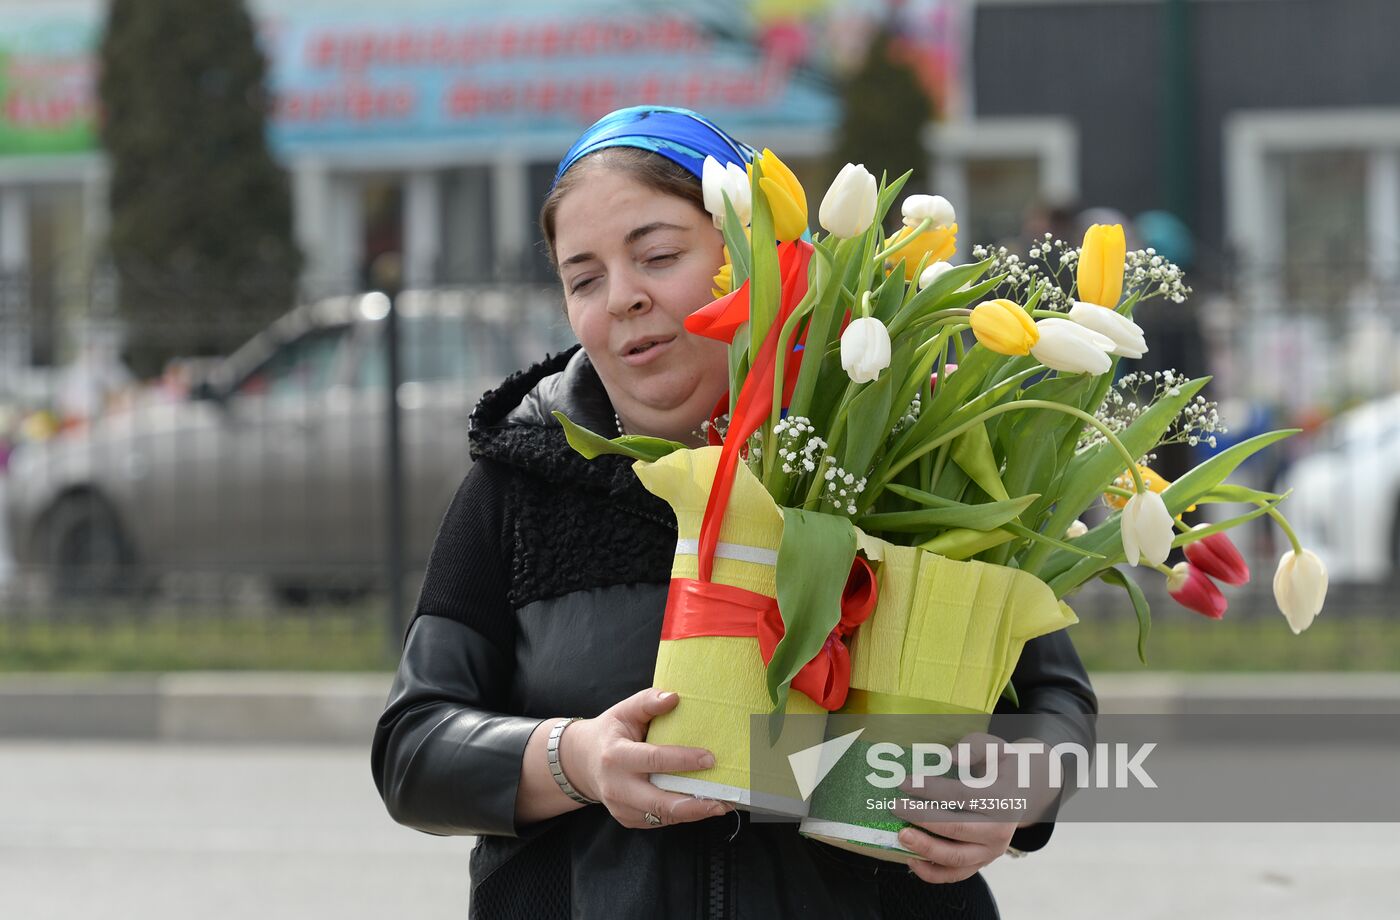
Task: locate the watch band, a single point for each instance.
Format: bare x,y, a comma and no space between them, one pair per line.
552,750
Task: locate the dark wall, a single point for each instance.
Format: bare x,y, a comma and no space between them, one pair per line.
1103,66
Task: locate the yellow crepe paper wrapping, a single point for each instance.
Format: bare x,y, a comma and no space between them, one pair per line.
720,679
948,635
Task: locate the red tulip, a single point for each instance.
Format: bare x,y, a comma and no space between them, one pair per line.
1217,557
1193,589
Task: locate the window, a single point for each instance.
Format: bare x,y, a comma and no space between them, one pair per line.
301,368
442,348
998,193
1323,194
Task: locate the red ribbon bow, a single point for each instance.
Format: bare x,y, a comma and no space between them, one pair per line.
703,608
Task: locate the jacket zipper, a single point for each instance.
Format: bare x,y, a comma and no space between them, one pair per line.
719,872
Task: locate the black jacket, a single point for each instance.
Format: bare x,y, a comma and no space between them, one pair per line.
543,597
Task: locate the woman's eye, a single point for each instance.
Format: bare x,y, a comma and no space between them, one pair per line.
581,283
663,259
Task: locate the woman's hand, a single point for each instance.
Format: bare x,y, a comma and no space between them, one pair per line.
950,851
606,759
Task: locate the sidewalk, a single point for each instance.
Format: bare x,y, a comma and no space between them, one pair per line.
274,708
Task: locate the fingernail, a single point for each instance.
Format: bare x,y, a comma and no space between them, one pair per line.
665,696
717,810
707,761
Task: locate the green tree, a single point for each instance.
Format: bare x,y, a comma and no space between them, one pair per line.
201,214
883,114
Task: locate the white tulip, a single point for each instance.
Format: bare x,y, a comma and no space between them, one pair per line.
933,272
848,208
1147,529
919,208
865,349
1071,348
1127,336
716,181
1076,530
1300,587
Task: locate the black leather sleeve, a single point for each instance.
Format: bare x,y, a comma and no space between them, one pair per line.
1054,692
443,763
445,759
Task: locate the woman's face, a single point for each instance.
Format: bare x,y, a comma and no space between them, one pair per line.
635,262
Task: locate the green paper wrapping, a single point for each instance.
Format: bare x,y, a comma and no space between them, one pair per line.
944,638
720,679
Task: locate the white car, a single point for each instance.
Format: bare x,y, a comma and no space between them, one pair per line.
1346,500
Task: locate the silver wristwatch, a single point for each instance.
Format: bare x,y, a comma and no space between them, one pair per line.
552,751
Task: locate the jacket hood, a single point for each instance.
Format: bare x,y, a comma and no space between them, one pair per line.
513,424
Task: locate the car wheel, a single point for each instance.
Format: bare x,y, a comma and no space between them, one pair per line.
88,553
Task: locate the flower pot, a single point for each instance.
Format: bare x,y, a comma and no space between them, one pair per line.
944,639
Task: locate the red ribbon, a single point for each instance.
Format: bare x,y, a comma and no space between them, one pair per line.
703,608
755,397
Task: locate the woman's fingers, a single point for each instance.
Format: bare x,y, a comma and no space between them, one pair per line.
643,706
670,807
640,757
947,860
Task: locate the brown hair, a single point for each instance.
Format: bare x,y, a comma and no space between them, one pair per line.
650,169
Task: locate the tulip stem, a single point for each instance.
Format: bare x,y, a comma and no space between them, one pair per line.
1282,522
1003,408
884,254
1164,569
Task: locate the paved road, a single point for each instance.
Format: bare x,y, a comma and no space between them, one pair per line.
90,831
96,831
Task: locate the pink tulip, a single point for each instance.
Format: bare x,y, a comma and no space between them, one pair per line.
933,378
1193,589
1216,556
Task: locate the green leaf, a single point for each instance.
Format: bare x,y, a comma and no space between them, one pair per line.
737,242
984,516
888,194
887,299
638,447
964,543
814,562
972,451
1229,492
1187,490
867,422
1140,606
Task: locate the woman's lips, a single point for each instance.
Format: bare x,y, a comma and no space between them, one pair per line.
640,358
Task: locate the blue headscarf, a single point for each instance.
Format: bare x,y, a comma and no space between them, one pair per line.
679,135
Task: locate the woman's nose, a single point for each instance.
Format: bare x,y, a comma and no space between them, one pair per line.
627,296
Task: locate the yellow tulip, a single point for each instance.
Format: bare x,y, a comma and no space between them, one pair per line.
1101,262
1004,327
786,199
939,242
723,281
1154,481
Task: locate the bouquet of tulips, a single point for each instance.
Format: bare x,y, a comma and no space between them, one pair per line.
903,459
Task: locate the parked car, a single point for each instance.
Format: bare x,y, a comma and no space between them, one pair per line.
275,463
1346,500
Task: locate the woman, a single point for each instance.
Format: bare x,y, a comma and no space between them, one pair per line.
545,590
